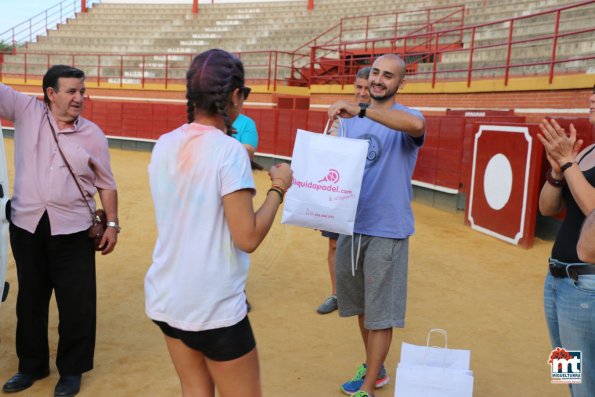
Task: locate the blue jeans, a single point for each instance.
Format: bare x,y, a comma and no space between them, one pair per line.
570,315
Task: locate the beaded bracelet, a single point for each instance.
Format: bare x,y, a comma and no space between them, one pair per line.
280,188
553,181
279,192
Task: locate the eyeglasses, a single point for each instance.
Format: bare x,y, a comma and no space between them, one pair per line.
245,91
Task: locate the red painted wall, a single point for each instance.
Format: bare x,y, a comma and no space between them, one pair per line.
444,160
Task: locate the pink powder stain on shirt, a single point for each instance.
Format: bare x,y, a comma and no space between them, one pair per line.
187,153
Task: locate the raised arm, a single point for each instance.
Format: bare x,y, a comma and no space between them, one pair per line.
395,119
563,149
398,120
551,202
249,228
12,102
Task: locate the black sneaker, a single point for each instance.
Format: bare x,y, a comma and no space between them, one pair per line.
5,291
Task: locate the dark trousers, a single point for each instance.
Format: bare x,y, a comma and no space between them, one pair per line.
64,264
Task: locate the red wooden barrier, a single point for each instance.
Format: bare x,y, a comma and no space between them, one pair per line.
504,182
444,161
468,142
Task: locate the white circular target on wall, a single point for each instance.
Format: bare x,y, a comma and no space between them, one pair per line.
497,181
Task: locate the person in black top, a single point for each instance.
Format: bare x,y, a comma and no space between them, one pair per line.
586,243
569,291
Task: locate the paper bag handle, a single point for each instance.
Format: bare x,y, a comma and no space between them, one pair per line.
440,331
328,126
440,349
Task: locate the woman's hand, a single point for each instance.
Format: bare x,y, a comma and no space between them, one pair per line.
560,148
281,175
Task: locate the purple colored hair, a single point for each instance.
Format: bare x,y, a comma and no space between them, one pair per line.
212,77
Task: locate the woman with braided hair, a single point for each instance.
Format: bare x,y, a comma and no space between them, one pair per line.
202,188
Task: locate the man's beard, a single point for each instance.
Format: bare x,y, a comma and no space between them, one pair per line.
385,97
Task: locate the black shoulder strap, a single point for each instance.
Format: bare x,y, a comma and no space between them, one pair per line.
68,166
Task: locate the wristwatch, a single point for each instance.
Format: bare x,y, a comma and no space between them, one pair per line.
362,110
114,225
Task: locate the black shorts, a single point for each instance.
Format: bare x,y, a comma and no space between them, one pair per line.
220,344
331,235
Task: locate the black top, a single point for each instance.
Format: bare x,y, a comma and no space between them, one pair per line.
565,245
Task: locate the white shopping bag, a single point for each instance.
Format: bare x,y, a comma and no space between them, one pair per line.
426,381
429,371
327,178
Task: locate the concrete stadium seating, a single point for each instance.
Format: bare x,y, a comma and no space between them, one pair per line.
283,26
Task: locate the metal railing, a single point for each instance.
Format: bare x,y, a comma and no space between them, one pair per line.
145,70
27,31
270,67
545,43
375,25
539,43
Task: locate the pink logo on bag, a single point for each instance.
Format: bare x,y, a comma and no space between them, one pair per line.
331,186
332,176
324,187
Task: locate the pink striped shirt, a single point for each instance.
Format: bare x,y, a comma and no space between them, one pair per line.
42,180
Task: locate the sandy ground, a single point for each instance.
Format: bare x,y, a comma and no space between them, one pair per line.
486,293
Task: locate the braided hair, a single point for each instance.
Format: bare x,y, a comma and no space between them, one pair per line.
212,77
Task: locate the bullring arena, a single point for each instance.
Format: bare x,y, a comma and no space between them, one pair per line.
485,291
487,294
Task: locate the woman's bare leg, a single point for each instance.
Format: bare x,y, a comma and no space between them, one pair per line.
237,378
192,369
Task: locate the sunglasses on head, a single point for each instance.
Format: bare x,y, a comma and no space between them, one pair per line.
245,91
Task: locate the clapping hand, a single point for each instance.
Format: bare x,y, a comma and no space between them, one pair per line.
560,148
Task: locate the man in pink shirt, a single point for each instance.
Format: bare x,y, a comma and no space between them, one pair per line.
49,225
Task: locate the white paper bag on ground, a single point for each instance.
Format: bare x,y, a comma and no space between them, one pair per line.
327,179
430,371
427,381
435,356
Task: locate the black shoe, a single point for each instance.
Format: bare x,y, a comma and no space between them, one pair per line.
68,386
5,291
22,381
